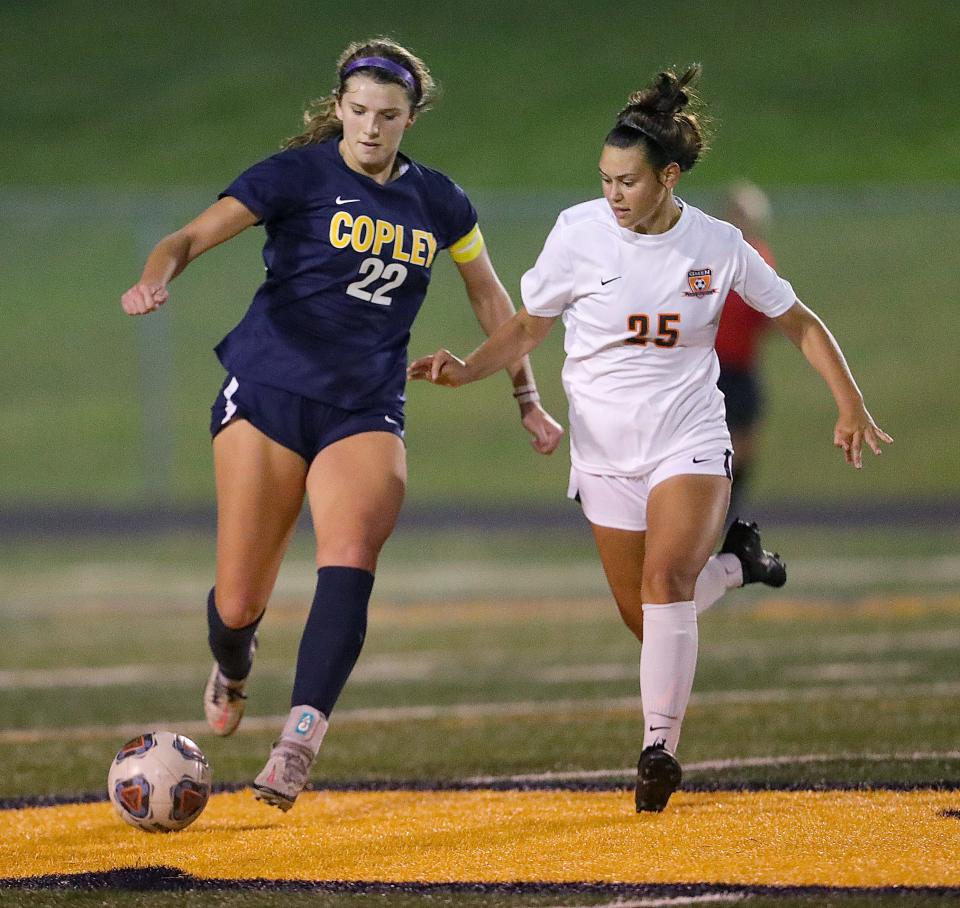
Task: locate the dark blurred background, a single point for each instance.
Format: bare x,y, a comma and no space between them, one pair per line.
122,120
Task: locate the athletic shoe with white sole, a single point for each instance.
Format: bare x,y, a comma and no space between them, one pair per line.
288,769
285,775
759,566
658,777
224,699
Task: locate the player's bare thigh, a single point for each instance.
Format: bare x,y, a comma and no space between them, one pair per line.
685,516
260,486
356,488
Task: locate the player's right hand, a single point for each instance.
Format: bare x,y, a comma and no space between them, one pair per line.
142,298
440,368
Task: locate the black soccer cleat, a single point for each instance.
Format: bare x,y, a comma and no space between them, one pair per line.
658,777
743,540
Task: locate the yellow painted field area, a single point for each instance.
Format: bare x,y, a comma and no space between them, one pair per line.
846,838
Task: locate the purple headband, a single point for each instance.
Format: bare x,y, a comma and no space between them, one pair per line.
390,66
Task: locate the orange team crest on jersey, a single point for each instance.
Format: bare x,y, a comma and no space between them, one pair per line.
699,280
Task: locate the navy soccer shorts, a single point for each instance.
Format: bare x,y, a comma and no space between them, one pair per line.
743,397
303,425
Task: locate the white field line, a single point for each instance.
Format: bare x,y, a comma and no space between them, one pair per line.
872,645
838,692
422,665
875,643
597,671
415,667
375,715
833,671
851,671
474,711
104,676
848,572
714,765
712,898
915,756
453,580
132,584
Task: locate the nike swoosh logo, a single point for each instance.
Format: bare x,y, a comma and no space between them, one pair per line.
702,459
345,201
392,422
658,728
610,280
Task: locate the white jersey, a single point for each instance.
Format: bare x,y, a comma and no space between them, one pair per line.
641,314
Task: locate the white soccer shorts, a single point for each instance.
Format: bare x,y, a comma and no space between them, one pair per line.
620,502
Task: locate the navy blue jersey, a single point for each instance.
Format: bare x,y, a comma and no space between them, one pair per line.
348,261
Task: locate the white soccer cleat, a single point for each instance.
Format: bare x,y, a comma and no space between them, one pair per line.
224,699
288,769
285,775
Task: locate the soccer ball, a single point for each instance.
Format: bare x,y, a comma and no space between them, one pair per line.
159,782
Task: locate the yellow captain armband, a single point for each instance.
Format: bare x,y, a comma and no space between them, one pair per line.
468,247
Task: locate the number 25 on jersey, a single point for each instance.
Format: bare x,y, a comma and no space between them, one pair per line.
666,336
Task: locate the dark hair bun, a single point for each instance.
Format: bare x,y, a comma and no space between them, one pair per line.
656,119
666,96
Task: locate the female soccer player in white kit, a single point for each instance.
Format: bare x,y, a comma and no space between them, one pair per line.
639,279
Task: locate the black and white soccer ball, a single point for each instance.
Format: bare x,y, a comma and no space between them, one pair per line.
159,782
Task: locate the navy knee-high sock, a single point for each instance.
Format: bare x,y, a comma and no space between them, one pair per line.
230,645
333,636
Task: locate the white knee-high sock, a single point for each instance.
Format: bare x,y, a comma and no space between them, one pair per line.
719,574
668,660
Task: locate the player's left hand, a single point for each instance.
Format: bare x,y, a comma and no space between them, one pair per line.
855,428
546,431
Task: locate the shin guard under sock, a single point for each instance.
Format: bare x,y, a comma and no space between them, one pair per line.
333,636
668,660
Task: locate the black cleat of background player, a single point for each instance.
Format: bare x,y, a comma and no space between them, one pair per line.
743,540
658,777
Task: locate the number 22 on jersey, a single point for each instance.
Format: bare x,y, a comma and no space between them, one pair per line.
371,270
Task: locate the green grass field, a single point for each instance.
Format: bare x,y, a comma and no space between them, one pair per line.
490,657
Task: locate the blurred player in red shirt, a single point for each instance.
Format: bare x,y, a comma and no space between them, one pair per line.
738,343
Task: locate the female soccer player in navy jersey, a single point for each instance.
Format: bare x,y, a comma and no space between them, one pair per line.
639,279
313,399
